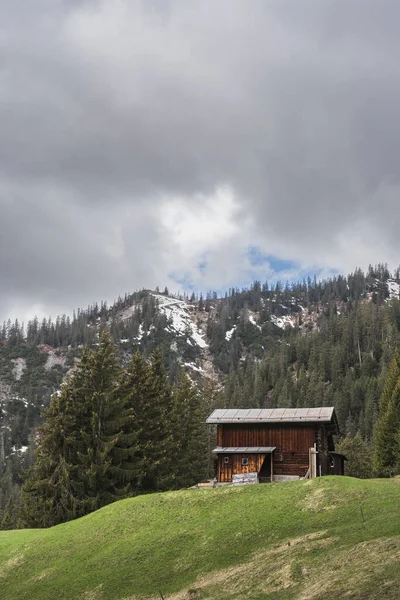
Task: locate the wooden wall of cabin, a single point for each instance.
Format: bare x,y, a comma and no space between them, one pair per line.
235,467
292,443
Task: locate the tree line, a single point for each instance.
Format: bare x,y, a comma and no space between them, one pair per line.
82,328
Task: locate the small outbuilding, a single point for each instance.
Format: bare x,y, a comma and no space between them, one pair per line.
278,444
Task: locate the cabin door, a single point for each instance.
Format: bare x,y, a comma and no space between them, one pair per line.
264,474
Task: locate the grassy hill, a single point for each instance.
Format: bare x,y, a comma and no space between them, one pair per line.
329,538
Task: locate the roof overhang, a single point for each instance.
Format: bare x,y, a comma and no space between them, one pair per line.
244,450
324,414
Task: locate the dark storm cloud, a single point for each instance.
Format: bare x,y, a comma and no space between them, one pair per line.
109,111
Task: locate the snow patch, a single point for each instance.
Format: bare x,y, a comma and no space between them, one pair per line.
194,367
19,367
230,333
127,313
394,288
177,312
139,335
282,322
21,449
53,360
253,321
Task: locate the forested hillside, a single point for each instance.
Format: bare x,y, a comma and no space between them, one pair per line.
305,344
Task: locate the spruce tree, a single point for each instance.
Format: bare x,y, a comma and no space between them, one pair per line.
104,421
189,434
83,451
148,392
159,436
387,429
133,388
358,454
53,492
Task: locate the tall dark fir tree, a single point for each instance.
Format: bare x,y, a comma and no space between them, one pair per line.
387,430
83,451
190,463
148,392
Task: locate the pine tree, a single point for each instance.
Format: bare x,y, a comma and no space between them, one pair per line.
358,454
148,393
387,429
53,492
133,388
104,421
189,434
83,451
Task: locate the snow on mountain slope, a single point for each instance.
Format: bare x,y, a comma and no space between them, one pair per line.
253,321
284,321
54,359
394,288
19,367
178,312
230,333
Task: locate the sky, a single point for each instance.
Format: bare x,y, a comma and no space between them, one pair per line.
193,144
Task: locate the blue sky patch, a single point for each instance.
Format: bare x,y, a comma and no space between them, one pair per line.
257,258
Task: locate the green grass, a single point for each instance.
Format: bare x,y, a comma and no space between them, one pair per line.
302,540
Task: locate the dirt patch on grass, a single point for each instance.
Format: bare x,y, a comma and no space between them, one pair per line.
10,565
43,575
300,540
314,500
257,571
351,570
281,569
94,594
320,499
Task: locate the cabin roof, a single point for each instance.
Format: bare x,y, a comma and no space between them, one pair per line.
244,450
325,414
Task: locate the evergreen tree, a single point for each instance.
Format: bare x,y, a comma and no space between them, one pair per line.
189,434
53,492
359,456
82,458
387,430
148,393
105,422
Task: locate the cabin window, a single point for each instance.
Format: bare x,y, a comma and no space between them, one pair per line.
245,462
226,459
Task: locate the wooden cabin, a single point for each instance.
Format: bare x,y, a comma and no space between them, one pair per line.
275,444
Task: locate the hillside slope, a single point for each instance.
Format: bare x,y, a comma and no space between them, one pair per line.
327,538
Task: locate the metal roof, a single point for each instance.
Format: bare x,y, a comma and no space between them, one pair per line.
244,450
324,414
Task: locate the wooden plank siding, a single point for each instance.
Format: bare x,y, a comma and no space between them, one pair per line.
235,467
285,437
292,443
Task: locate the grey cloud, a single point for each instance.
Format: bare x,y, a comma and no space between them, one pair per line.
108,108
